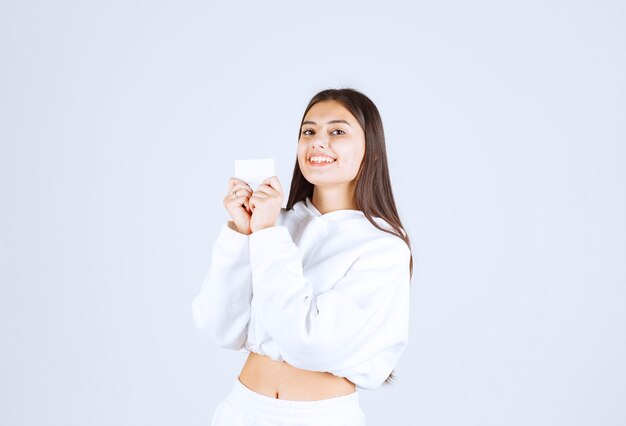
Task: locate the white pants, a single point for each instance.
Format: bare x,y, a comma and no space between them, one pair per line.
245,407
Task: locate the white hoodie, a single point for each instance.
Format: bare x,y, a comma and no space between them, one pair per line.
323,292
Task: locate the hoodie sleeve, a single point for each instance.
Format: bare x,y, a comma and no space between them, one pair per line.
221,309
357,329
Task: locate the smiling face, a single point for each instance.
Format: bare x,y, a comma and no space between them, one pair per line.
330,131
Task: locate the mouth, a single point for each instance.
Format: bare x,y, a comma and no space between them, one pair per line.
320,160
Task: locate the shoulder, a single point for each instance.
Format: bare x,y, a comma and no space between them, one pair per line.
373,247
353,231
386,247
383,235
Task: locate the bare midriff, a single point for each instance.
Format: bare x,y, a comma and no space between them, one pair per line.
280,380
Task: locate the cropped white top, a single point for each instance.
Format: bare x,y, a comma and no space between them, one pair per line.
323,292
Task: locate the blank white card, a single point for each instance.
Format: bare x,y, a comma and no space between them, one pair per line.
253,172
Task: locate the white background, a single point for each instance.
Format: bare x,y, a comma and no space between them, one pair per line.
506,137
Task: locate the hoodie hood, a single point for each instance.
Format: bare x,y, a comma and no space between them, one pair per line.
305,208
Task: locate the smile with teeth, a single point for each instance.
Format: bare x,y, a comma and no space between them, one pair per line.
321,159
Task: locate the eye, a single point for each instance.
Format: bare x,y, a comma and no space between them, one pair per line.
338,130
304,132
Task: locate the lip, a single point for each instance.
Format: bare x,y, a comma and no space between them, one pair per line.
322,164
318,154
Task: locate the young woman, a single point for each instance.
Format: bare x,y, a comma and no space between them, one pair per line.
317,292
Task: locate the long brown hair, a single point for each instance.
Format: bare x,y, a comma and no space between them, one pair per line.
373,193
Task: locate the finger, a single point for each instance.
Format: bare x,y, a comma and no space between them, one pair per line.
239,200
257,195
232,181
240,187
274,183
268,190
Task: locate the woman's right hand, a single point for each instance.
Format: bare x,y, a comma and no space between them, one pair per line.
237,206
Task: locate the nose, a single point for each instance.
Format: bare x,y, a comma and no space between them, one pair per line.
320,142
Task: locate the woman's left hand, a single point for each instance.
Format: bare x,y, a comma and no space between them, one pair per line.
265,204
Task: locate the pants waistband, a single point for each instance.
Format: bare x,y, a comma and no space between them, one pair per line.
250,399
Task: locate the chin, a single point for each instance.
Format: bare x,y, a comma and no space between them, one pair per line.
331,181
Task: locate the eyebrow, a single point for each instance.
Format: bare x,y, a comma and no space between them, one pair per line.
329,122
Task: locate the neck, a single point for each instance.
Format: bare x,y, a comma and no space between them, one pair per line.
329,199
